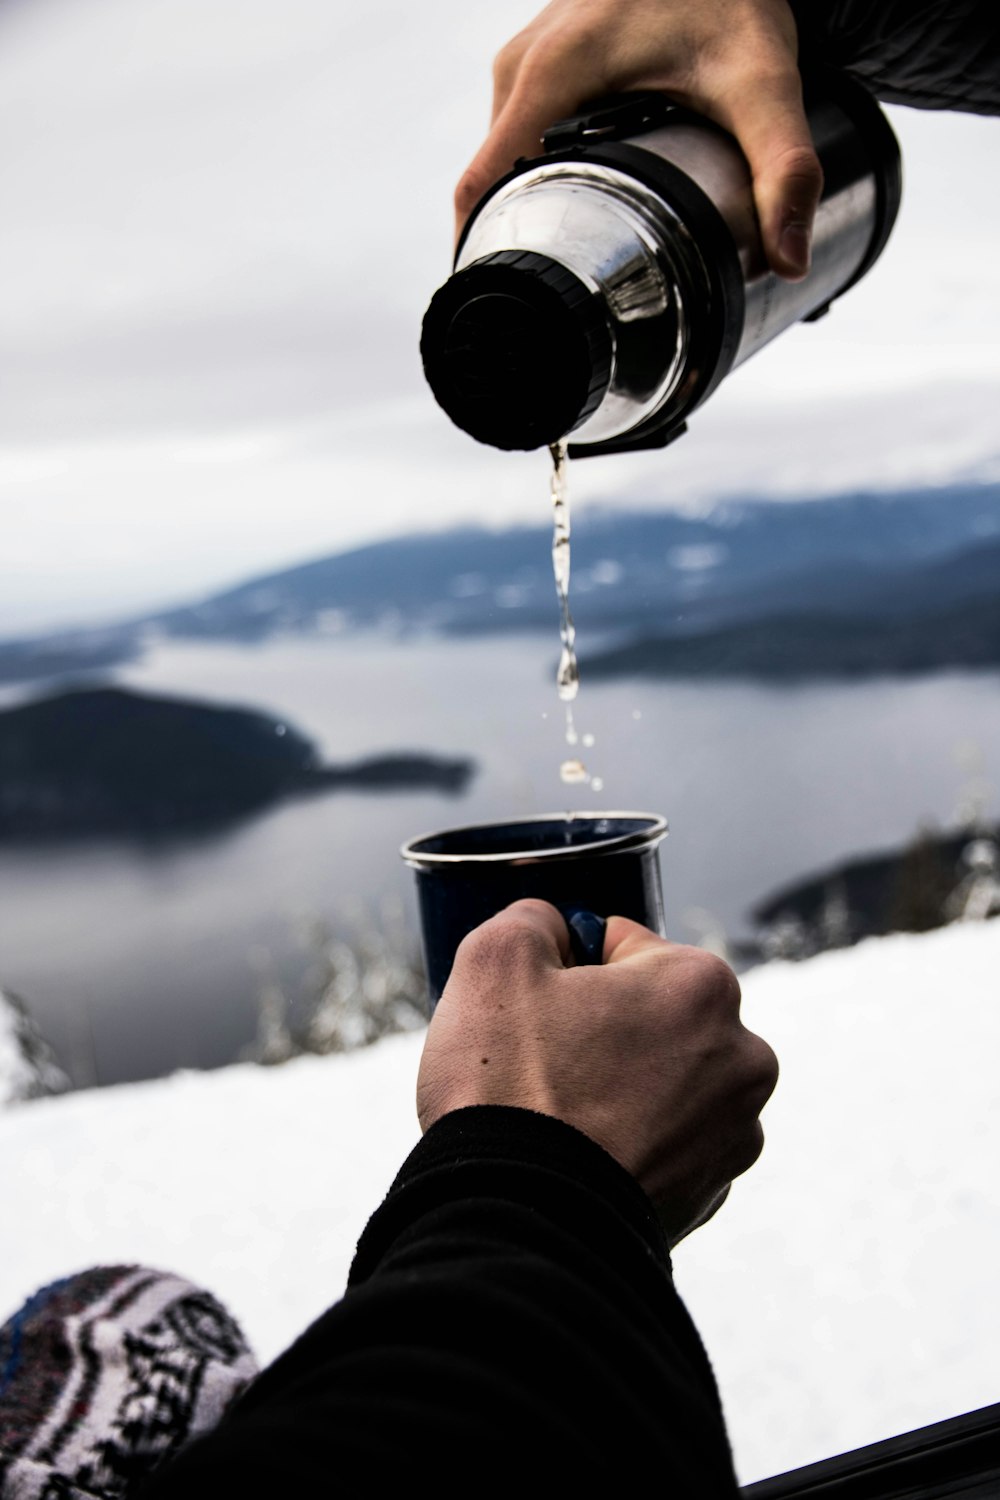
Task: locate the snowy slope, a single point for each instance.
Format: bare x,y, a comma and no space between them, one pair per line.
846,1291
849,1289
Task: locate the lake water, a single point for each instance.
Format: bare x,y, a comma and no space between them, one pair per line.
138,960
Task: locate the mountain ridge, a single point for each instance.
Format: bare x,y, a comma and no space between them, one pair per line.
636,575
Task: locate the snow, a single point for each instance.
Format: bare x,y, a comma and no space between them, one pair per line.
845,1292
254,1182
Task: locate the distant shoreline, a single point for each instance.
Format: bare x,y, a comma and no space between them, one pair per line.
858,585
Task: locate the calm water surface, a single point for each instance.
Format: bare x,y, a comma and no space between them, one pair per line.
138,960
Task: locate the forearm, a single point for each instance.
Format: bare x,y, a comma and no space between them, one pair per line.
941,54
510,1307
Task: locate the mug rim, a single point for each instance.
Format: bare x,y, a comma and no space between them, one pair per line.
648,837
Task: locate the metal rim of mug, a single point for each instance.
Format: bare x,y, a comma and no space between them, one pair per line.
647,837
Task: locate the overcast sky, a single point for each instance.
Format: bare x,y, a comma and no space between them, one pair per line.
222,222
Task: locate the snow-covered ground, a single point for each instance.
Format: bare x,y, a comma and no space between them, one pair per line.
846,1292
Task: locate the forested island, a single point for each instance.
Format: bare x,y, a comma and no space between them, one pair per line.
808,646
935,879
108,761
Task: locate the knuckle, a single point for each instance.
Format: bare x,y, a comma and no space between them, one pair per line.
553,57
471,186
761,1067
503,944
760,64
507,62
747,1150
800,165
715,980
528,904
580,40
530,52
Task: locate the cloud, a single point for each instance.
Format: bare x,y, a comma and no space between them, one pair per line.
223,221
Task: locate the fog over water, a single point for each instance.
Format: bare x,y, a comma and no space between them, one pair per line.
138,959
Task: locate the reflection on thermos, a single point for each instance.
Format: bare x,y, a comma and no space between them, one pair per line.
603,290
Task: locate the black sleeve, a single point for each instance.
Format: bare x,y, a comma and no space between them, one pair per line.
934,54
510,1317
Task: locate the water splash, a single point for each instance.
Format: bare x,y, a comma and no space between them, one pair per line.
572,771
568,674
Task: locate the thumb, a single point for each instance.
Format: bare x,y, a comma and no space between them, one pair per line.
771,127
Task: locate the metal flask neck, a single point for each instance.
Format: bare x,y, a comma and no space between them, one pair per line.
521,347
566,311
603,291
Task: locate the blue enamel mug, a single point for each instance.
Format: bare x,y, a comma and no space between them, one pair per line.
589,865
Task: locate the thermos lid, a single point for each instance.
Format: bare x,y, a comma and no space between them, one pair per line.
516,349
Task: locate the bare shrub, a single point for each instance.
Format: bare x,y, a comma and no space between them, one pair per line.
363,981
28,1066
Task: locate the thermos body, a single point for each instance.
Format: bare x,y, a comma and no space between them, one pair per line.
603,290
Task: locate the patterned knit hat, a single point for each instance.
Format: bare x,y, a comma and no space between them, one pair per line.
105,1375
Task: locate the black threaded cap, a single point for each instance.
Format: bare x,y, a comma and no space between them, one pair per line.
516,350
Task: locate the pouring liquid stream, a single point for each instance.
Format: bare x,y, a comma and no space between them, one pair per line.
572,770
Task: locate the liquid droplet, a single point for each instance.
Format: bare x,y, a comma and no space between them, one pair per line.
568,676
572,770
597,783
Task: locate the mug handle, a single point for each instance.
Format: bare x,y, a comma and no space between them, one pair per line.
586,934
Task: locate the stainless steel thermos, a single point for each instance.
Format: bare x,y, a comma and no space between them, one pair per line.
603,290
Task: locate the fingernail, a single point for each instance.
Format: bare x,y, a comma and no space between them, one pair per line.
794,246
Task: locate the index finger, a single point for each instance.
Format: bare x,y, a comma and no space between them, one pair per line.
629,942
516,132
625,939
541,918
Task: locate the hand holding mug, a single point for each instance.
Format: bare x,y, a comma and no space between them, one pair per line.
645,1053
